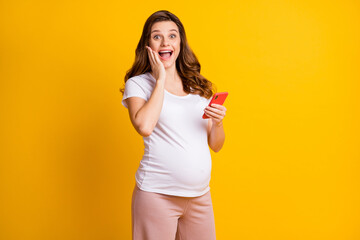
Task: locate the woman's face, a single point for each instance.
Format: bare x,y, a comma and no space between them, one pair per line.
165,36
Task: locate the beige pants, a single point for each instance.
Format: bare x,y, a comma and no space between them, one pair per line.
158,216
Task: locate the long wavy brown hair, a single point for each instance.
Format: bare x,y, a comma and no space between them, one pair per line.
187,64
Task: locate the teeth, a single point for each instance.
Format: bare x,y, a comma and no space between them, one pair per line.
164,51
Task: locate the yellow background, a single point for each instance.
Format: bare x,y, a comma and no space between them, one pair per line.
289,169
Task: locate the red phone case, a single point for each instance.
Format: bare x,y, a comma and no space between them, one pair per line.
218,98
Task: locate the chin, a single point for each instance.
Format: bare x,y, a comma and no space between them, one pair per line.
168,65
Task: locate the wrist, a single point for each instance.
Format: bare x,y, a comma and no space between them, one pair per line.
160,82
218,124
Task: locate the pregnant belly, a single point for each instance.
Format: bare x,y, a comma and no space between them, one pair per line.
192,172
186,168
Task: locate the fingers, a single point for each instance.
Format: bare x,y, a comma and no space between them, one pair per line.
215,111
214,116
151,55
154,59
154,56
157,58
218,106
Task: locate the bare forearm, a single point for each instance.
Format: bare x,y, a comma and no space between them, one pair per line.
147,117
217,137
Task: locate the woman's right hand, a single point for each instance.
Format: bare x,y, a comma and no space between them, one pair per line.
157,67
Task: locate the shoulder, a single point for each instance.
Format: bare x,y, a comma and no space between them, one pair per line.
144,80
139,86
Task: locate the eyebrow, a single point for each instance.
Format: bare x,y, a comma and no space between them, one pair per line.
169,30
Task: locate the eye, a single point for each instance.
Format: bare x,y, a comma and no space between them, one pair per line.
173,35
155,37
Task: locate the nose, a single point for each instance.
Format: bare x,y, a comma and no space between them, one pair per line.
165,42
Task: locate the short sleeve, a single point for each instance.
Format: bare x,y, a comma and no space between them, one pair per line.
133,89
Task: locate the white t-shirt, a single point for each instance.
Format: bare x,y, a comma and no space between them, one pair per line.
176,158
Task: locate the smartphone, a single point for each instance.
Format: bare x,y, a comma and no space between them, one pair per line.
218,98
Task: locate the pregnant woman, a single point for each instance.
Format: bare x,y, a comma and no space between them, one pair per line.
166,97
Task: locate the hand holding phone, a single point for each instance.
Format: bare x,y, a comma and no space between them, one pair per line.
218,98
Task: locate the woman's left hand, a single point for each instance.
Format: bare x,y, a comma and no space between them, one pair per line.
216,112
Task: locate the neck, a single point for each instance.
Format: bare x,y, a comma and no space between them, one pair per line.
172,74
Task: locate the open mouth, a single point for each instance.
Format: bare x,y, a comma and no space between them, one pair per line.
165,54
